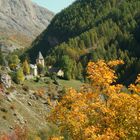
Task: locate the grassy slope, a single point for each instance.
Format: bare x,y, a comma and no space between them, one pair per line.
34,115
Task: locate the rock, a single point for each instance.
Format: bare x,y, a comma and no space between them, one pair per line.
6,80
33,97
19,118
9,99
11,127
15,114
46,103
29,103
4,110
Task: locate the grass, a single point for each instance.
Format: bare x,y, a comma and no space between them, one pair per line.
34,85
64,83
71,83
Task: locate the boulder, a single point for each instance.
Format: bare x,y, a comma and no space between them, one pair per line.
5,79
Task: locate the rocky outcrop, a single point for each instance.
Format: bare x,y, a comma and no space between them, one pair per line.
22,19
6,80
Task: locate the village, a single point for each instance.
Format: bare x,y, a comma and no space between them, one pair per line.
29,71
40,61
29,91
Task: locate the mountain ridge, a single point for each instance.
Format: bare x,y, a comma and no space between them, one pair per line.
23,17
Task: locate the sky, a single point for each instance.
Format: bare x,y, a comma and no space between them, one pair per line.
54,5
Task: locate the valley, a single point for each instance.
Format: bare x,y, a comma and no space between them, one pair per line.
73,75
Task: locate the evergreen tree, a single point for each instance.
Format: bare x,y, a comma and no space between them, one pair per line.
40,69
79,75
67,66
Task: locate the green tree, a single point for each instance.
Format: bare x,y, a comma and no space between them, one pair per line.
13,61
40,69
67,66
20,76
79,75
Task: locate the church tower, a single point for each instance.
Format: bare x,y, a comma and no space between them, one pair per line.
40,59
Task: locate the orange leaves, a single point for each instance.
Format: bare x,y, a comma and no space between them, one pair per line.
136,87
90,133
138,79
114,63
100,74
56,138
4,137
40,92
18,133
100,111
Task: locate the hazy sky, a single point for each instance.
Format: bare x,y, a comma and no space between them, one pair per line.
54,5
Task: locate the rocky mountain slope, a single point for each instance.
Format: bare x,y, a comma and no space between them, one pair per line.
21,21
26,105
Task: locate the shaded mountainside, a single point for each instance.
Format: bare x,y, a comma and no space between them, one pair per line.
91,30
21,21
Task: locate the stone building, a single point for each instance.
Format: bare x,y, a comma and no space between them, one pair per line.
40,59
34,71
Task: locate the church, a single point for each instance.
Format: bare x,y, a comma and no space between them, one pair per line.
40,60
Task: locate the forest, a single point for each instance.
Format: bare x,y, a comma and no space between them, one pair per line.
91,30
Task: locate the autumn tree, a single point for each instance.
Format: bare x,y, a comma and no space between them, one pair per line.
101,110
26,67
20,75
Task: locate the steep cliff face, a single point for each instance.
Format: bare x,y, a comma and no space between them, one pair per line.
22,20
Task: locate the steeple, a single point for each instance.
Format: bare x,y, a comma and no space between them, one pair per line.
40,59
40,56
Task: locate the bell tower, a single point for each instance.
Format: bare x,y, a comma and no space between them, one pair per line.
40,59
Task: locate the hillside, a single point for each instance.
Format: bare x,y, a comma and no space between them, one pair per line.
91,30
28,104
21,21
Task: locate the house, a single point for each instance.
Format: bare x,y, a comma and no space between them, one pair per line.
40,60
34,69
59,72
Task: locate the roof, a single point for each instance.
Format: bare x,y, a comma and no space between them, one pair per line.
40,56
54,69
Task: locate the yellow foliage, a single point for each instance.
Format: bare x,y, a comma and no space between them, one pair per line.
100,73
37,138
136,87
100,111
56,138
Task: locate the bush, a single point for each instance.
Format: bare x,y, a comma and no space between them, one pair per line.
19,76
25,88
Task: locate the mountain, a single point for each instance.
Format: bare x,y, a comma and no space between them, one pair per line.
91,30
21,21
